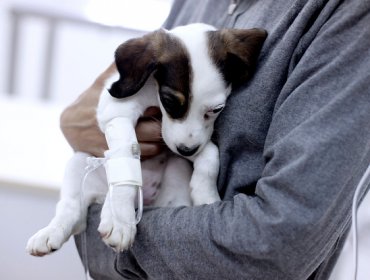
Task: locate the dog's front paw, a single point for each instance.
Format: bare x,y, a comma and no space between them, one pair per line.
203,189
117,231
118,236
46,241
201,197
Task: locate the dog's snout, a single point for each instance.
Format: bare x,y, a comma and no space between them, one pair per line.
187,151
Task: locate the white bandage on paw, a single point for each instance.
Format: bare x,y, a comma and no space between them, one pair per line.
122,164
122,161
124,171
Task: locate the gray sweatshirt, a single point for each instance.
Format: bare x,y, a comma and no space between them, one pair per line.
294,142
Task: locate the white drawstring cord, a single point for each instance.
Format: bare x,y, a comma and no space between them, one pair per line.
92,165
355,202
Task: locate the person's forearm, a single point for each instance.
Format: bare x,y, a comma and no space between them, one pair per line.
315,152
248,238
316,148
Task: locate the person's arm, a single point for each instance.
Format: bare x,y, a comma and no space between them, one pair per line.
316,151
79,124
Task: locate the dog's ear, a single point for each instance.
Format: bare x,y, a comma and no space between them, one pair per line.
235,52
136,60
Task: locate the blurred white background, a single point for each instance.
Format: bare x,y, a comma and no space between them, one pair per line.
50,52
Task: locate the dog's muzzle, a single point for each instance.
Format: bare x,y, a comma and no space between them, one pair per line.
187,151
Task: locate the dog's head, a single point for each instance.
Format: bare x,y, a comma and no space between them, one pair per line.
195,67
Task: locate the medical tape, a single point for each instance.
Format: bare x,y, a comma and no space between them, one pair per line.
123,171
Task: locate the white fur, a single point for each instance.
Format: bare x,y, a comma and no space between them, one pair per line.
208,88
118,231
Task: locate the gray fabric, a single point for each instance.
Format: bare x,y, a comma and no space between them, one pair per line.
293,142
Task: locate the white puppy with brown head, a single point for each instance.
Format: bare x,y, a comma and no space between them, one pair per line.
188,72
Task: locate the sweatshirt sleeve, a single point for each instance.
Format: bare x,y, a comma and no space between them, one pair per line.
316,150
317,147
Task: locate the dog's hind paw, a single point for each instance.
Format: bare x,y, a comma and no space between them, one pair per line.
46,241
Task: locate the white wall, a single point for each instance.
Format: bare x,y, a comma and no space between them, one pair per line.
82,50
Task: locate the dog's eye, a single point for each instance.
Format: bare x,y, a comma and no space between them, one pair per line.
174,102
217,109
214,111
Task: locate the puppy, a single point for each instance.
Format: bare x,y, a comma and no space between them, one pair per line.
188,72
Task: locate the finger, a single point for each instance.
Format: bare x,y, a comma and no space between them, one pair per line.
152,112
149,150
149,131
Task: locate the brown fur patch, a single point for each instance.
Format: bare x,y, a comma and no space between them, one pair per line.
135,60
174,77
235,52
165,56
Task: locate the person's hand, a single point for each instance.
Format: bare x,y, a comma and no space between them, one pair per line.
79,125
148,132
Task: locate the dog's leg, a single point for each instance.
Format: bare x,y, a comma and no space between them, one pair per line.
117,226
174,189
70,217
203,182
118,219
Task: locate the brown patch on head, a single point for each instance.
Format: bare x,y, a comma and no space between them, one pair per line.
135,60
235,52
174,77
165,56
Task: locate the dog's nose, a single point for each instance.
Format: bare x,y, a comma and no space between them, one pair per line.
187,151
